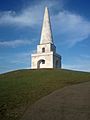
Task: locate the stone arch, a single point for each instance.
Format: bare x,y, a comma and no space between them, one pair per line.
42,61
57,63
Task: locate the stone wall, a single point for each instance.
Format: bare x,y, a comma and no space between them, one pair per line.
36,58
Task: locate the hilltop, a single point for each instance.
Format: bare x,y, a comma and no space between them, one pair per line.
22,88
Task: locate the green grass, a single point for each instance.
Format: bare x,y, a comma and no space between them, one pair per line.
22,88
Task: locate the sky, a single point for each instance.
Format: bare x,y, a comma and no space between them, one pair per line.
20,30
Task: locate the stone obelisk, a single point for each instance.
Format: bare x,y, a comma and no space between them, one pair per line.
46,34
46,56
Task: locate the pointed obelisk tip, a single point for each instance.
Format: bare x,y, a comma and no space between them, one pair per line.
46,8
46,34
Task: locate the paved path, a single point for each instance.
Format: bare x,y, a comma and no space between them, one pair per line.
69,103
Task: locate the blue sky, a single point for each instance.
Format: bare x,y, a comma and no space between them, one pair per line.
20,27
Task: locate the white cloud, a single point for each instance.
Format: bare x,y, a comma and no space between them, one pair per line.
21,58
73,28
15,61
81,63
15,43
77,67
70,27
27,17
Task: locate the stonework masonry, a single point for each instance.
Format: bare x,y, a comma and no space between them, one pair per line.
46,56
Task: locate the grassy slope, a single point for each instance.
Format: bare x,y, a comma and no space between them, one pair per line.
21,88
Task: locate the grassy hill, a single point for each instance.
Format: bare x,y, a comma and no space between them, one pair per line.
22,88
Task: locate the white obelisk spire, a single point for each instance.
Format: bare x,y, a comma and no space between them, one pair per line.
46,56
46,34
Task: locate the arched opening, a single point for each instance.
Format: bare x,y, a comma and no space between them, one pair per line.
43,49
57,63
40,63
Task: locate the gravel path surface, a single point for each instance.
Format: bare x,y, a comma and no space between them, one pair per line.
69,103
